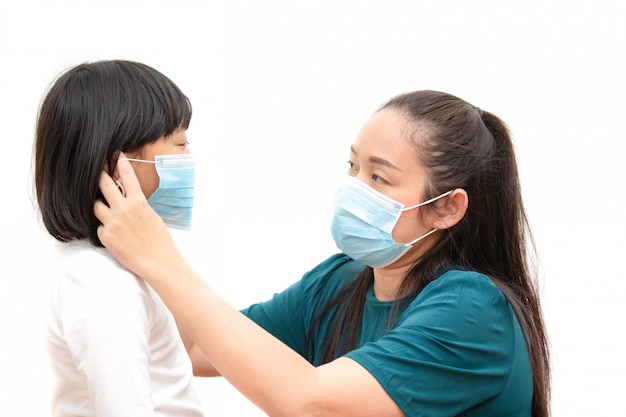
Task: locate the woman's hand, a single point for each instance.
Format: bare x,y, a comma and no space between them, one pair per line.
131,229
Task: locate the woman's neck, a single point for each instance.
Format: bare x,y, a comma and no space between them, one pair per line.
387,282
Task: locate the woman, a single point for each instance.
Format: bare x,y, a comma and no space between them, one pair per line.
114,346
430,309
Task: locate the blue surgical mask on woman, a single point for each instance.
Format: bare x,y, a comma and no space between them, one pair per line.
364,220
173,199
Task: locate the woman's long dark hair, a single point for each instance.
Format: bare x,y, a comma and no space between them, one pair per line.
462,146
91,113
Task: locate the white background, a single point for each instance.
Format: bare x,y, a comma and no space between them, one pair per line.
280,89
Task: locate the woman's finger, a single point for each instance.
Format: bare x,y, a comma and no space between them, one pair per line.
109,188
126,179
101,210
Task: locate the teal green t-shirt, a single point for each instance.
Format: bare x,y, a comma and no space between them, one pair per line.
457,349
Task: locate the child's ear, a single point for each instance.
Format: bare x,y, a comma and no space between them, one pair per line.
452,210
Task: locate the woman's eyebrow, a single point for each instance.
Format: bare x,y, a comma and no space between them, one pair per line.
377,160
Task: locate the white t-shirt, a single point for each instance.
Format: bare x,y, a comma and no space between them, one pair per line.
114,346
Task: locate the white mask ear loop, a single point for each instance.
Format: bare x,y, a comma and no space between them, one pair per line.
423,236
428,201
120,187
423,204
136,160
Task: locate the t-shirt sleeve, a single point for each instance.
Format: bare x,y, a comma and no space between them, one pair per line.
450,351
288,315
106,323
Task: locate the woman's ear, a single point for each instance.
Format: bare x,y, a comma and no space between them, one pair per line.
452,210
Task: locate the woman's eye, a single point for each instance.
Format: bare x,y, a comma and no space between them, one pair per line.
351,166
378,179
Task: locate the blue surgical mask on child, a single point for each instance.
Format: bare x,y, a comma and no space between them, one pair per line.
364,220
173,199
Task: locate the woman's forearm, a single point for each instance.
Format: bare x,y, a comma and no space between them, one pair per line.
264,369
199,362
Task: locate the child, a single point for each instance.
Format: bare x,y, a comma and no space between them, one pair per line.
114,346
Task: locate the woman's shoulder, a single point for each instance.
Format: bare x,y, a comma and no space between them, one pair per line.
458,292
463,281
333,273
